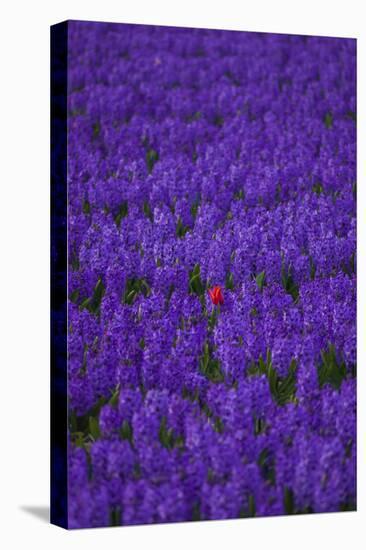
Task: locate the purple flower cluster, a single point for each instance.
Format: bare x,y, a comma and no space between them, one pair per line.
201,158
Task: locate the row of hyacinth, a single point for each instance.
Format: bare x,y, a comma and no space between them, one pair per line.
212,277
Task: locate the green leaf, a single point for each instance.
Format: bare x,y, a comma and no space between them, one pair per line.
218,120
267,466
96,129
212,320
210,366
269,358
259,426
129,299
328,120
195,284
152,157
352,115
261,280
148,212
93,304
288,282
332,370
115,516
86,207
165,434
167,437
74,261
283,389
249,509
80,425
95,344
289,501
273,381
262,366
349,267
133,287
77,439
229,283
97,296
317,188
98,292
218,425
115,396
196,512
169,295
85,355
354,190
286,389
94,429
348,506
181,229
126,431
121,213
74,296
85,303
194,207
251,506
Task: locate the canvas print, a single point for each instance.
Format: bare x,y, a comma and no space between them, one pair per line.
210,322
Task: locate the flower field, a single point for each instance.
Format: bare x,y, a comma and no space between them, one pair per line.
212,274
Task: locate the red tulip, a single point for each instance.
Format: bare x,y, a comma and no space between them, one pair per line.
216,295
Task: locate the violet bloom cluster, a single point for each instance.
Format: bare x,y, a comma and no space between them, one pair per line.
202,158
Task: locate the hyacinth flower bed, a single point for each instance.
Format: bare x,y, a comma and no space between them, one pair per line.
212,276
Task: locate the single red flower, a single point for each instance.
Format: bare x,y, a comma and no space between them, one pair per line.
216,295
